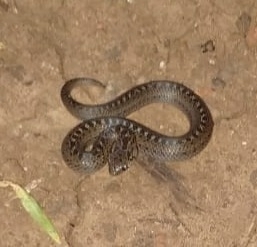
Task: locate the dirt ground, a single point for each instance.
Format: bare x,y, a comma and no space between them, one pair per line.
210,46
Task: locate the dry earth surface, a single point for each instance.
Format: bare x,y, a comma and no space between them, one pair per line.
210,46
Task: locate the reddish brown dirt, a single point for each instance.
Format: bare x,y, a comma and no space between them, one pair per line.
124,43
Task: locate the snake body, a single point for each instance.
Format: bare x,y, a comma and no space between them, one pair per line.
106,136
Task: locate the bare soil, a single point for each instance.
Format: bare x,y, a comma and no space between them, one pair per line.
210,46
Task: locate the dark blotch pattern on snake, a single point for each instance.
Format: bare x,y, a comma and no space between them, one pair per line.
106,137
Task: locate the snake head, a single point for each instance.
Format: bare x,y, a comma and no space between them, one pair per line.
118,164
122,153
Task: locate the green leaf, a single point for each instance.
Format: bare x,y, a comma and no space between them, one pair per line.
34,210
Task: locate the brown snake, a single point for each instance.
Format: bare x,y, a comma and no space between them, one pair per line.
106,136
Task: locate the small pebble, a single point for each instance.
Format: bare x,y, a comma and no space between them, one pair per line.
212,61
162,65
218,82
33,184
2,46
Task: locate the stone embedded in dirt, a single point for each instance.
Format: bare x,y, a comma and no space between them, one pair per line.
247,29
208,46
218,82
243,23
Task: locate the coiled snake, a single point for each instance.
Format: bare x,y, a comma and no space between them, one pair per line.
106,136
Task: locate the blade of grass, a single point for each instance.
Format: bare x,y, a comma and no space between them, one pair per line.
34,210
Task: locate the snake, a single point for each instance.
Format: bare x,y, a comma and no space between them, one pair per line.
106,136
